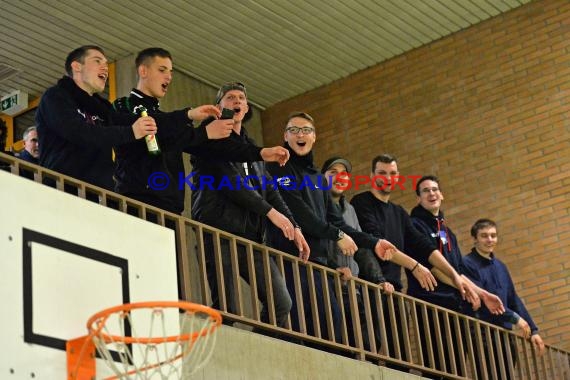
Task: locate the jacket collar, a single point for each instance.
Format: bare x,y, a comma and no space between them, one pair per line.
150,102
93,104
481,258
301,161
421,213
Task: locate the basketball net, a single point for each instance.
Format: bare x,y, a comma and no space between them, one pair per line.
150,340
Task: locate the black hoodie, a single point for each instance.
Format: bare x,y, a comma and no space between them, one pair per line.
76,132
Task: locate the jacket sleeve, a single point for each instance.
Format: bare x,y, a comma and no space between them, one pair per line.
310,223
176,130
334,215
370,269
249,199
471,272
274,198
515,304
222,149
61,117
418,246
423,230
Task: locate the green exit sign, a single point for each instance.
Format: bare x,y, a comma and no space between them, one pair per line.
14,102
8,103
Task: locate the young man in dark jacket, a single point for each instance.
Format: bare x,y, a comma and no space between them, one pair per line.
305,192
493,275
135,165
235,200
77,127
427,217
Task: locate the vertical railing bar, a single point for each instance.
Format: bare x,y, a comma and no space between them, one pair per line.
253,281
370,328
299,296
270,302
236,278
201,253
219,271
394,327
313,299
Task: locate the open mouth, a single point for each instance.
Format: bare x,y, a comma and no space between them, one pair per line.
103,76
237,110
301,143
164,86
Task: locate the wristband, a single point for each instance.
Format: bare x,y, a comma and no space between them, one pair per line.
415,266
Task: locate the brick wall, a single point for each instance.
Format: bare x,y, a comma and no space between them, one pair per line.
488,111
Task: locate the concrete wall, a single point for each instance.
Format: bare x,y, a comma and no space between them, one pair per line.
241,355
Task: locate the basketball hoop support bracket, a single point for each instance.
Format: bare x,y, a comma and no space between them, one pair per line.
80,358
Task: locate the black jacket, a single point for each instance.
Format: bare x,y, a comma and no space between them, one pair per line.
27,156
444,239
223,197
306,193
76,132
175,135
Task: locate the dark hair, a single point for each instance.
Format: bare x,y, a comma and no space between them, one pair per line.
79,55
385,158
481,224
144,55
427,178
302,115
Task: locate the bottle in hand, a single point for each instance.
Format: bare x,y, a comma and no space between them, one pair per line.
151,141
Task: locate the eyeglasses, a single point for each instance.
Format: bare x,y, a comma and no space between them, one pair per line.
428,190
303,130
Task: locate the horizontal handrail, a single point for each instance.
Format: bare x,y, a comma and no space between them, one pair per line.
396,329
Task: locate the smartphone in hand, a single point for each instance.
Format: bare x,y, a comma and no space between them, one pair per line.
227,113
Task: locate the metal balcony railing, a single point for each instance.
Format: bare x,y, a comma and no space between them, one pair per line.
396,330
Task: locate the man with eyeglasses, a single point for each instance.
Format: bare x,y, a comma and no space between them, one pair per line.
134,163
321,222
244,210
31,152
428,219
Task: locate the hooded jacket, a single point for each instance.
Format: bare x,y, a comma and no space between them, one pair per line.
435,228
224,197
76,132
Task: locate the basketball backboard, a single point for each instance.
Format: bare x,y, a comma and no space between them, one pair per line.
62,259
